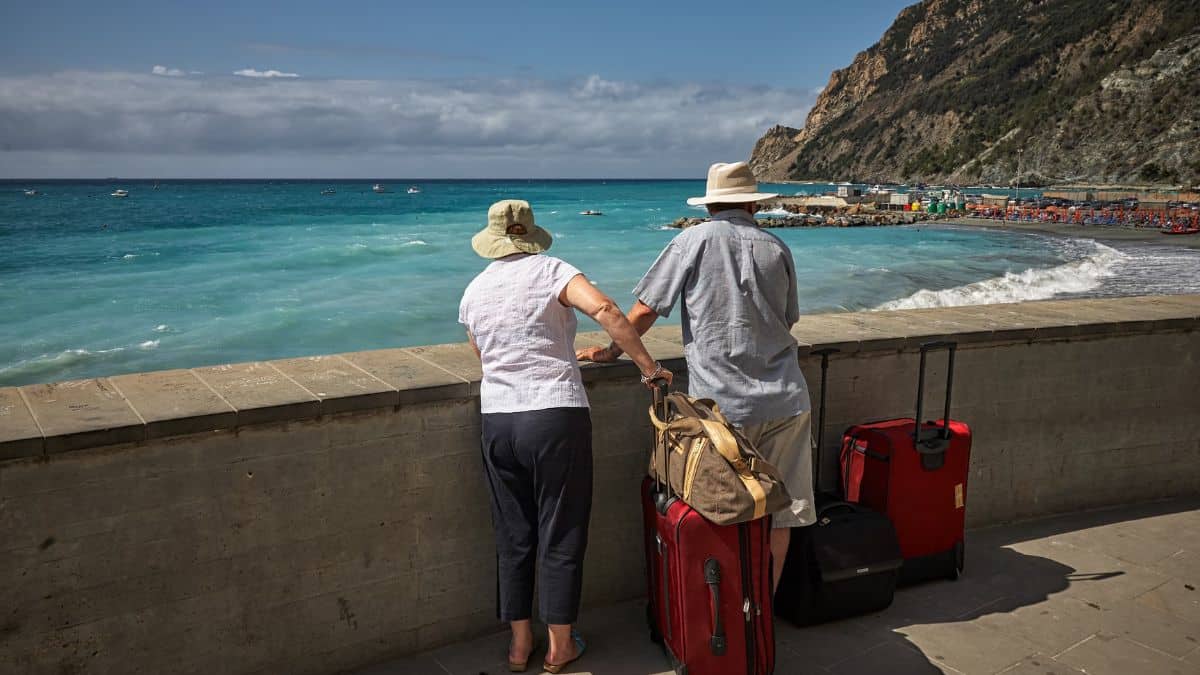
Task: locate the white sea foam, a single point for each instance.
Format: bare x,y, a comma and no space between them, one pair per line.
129,256
1079,276
414,242
149,344
777,211
162,328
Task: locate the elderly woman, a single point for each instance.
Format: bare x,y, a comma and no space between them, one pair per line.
537,432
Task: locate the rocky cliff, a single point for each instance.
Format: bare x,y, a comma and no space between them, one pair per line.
965,90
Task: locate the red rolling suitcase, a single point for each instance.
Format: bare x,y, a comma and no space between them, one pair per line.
918,480
709,587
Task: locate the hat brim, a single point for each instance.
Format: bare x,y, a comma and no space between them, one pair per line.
490,245
737,198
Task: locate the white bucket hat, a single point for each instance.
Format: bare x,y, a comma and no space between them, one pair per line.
510,230
730,184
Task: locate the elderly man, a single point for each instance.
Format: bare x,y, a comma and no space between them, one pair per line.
737,284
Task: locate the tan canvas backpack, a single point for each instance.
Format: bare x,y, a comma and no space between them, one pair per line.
705,461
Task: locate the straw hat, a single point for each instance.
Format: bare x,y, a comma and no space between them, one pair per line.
510,230
730,184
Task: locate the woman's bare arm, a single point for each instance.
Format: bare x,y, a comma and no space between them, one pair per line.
582,295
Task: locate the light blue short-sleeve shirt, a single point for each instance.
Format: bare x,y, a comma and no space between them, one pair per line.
736,285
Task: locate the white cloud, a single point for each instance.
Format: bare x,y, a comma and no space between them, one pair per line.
250,72
167,72
585,127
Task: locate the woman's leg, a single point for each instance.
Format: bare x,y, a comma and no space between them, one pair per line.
562,438
514,518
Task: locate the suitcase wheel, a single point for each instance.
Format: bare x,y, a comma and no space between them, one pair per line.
959,558
655,636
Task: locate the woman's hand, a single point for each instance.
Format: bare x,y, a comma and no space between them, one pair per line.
662,374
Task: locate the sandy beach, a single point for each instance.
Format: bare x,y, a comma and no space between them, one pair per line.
1098,232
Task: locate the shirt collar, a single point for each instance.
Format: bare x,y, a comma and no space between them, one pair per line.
736,216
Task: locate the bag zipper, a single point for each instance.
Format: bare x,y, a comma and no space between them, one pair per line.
666,584
747,596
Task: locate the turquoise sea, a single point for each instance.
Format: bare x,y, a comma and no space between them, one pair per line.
206,272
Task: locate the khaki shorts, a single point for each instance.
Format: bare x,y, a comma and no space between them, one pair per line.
787,443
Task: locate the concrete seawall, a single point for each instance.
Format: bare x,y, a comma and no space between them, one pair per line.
316,514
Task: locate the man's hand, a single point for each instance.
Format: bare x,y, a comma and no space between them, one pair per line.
597,354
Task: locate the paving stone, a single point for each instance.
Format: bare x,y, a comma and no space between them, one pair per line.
260,393
1053,625
1150,627
1175,597
828,644
1122,544
20,435
339,384
422,664
850,333
1040,664
1184,566
1112,655
415,379
970,647
1095,577
175,402
896,656
82,414
458,359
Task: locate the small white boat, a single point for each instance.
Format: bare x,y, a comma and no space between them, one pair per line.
329,191
590,212
120,193
30,192
413,189
378,187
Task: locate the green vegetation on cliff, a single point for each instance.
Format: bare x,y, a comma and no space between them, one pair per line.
1100,91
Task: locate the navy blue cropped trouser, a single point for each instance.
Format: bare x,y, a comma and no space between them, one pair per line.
539,468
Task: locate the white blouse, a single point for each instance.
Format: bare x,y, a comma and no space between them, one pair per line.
525,335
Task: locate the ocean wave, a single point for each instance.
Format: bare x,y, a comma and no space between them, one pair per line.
414,242
1079,276
31,368
149,344
777,211
161,328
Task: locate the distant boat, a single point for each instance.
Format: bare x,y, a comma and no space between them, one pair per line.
590,212
120,193
30,192
378,187
413,189
329,191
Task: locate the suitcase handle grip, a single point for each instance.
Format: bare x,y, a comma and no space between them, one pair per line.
944,434
712,577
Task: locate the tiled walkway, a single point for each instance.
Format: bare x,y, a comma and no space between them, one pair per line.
1115,591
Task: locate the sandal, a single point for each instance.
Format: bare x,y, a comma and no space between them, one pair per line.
580,647
522,666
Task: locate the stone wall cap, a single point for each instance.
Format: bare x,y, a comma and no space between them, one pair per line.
63,416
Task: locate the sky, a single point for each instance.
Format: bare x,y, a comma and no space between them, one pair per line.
424,90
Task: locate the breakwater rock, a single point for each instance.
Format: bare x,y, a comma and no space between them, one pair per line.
837,220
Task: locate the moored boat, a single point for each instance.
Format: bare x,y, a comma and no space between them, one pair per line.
379,188
121,194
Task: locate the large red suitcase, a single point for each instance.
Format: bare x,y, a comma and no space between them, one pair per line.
919,482
708,588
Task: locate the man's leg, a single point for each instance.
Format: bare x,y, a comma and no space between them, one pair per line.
787,444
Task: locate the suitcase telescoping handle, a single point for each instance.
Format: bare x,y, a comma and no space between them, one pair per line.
933,448
662,488
824,354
